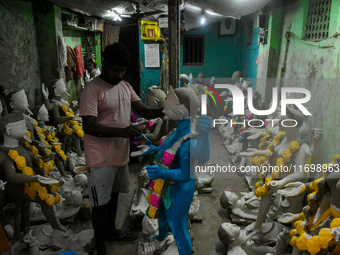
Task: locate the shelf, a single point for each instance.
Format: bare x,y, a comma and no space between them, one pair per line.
80,29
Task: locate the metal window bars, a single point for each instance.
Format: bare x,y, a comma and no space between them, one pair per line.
317,25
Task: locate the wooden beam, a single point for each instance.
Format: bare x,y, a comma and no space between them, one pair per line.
174,40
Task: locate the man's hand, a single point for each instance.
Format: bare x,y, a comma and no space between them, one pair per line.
131,132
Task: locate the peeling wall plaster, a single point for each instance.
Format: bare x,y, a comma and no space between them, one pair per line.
19,63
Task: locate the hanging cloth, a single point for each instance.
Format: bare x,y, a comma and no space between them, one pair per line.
110,34
62,53
70,69
80,62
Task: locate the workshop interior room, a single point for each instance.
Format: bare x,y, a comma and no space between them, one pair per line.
169,127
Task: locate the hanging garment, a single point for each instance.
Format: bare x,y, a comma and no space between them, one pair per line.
62,53
70,69
80,62
110,34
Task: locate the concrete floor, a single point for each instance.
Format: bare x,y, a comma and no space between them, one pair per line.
206,240
205,236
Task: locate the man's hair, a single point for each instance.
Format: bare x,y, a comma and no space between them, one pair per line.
116,54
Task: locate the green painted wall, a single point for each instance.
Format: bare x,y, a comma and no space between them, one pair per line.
311,65
223,56
269,55
253,52
149,76
98,50
72,38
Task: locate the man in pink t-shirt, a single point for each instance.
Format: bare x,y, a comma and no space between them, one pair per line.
105,107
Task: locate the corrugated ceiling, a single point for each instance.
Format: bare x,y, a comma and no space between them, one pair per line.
215,10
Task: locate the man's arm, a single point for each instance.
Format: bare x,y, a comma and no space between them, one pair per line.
145,111
92,127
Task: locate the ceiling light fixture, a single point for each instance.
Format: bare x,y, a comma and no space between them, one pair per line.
112,14
115,16
203,18
209,12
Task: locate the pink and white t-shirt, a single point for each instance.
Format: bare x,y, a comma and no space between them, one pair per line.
112,107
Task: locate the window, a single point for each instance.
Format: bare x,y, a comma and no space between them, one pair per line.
317,25
193,50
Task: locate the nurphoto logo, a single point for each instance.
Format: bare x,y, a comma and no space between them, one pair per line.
239,109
